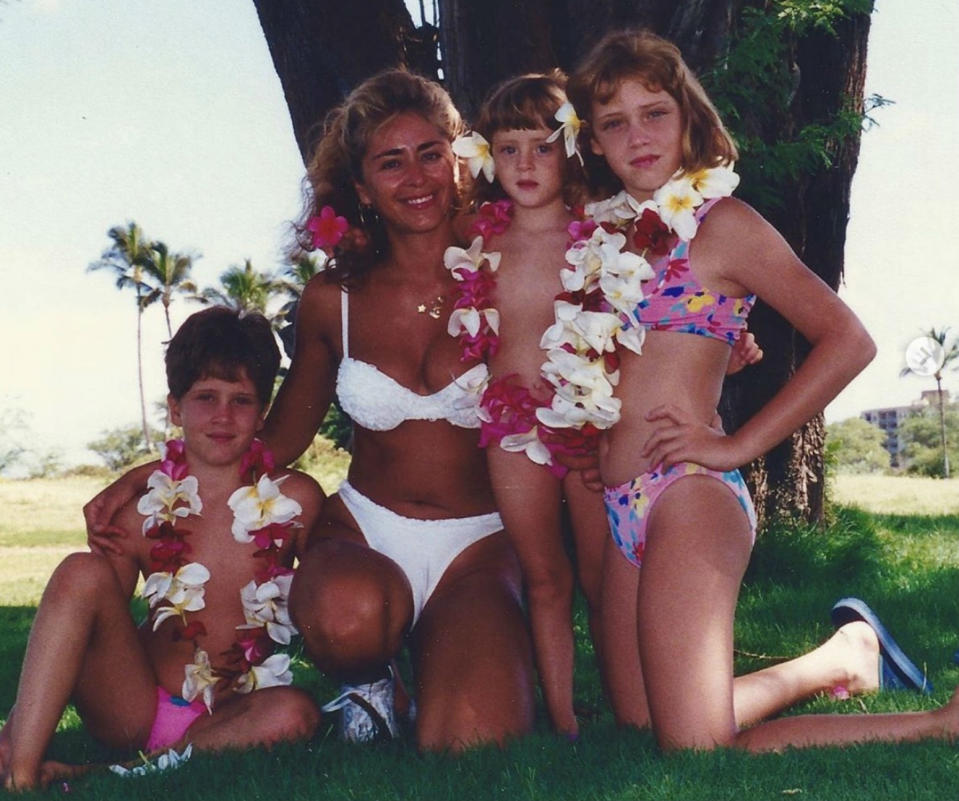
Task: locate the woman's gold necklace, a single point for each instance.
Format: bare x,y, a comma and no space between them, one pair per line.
433,308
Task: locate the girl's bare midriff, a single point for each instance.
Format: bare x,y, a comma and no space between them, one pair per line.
684,370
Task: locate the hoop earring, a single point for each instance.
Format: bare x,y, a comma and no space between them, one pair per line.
368,216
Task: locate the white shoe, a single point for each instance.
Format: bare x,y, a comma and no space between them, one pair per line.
367,712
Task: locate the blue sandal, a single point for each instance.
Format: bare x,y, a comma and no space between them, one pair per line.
896,670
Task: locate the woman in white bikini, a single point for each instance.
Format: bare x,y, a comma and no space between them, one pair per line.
411,544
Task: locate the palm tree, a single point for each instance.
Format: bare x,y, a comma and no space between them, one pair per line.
167,274
950,354
244,289
125,258
296,275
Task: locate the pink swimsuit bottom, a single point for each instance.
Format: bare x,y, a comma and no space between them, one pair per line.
628,505
173,717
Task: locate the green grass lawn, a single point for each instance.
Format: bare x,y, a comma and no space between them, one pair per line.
901,555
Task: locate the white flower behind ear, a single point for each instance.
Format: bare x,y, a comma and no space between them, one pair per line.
476,150
569,128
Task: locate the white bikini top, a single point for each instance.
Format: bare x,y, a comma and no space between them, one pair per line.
380,403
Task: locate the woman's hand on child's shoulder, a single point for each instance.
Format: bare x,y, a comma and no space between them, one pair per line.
100,512
305,490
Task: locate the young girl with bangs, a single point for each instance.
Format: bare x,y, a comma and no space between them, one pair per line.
681,517
532,185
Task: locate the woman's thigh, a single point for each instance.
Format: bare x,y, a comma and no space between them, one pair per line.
353,605
471,653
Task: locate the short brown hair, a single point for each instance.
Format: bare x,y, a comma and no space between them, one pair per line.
657,63
217,343
526,102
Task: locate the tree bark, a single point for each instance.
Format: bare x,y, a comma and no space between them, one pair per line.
323,48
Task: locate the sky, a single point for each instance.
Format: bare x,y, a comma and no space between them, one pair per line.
171,114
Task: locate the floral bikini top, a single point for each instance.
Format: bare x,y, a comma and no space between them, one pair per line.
378,402
676,301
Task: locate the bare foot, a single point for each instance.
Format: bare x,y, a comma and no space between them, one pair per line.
51,771
857,652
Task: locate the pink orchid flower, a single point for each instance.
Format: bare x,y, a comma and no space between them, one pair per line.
327,228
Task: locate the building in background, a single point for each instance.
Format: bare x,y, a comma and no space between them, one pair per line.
890,418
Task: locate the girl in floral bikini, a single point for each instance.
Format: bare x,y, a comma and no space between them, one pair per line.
531,187
216,584
675,299
529,183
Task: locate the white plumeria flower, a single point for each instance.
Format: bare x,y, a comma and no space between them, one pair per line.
469,259
476,150
569,128
586,329
473,388
169,760
265,604
528,443
470,319
632,337
258,505
619,210
274,671
184,590
622,283
574,373
573,411
715,181
677,201
165,499
199,679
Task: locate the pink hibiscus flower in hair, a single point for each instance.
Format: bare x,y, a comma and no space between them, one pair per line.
327,228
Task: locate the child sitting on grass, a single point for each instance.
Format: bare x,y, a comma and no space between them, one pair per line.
221,529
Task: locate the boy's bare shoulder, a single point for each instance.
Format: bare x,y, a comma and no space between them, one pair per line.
300,486
305,490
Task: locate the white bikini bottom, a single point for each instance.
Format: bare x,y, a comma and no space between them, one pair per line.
422,548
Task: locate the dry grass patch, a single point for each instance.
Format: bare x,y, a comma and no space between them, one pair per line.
905,495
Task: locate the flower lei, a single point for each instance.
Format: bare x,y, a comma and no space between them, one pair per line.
508,411
603,283
176,586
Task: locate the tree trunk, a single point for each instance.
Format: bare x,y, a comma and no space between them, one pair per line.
321,49
147,442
